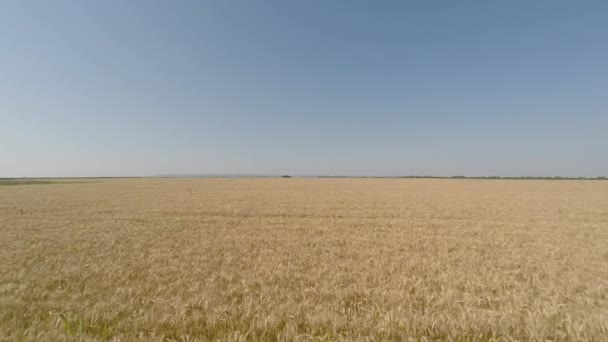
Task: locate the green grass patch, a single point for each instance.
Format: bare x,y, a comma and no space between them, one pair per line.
30,181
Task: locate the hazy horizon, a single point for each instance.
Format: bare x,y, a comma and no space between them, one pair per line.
354,88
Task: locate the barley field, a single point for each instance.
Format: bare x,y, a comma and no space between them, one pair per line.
304,260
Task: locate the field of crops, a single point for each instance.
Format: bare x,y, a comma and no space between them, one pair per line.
304,259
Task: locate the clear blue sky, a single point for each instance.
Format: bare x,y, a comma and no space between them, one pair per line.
115,88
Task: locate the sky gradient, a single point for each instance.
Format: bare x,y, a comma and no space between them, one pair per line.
136,88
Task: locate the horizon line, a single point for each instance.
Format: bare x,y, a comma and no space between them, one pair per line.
244,175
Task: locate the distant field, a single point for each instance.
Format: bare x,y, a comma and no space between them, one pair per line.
39,181
304,259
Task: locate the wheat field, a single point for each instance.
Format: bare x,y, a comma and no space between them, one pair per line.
304,259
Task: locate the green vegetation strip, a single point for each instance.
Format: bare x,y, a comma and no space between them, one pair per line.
7,182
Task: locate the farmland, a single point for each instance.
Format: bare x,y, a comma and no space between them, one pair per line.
304,259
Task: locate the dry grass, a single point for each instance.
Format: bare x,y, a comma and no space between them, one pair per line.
304,259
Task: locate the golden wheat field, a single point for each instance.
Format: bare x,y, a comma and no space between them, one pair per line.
304,259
